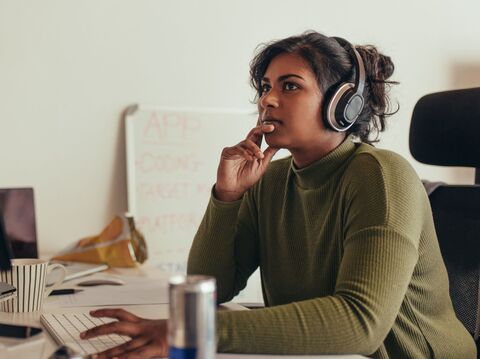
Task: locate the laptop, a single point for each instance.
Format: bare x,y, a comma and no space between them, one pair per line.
17,207
7,291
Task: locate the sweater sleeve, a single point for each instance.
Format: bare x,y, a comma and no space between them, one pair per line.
381,237
225,246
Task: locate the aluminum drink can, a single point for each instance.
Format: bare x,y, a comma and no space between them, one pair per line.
191,327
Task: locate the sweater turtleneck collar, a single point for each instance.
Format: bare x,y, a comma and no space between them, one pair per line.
318,173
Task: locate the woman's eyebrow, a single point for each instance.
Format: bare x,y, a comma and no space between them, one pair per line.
283,78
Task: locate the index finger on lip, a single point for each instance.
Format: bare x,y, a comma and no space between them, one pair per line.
256,135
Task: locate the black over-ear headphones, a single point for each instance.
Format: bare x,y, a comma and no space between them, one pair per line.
345,103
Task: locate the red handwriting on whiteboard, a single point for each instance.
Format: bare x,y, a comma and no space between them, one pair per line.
162,191
149,162
169,223
162,128
173,190
171,267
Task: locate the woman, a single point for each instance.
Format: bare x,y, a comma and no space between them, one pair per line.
342,232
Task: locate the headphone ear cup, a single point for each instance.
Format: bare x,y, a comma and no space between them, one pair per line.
335,107
343,107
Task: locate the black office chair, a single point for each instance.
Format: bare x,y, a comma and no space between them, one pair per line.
445,131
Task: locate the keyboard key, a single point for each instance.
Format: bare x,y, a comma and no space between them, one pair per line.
65,328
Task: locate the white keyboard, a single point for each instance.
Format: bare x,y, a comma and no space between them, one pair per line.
65,328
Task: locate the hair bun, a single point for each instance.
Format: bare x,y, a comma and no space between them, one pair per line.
378,66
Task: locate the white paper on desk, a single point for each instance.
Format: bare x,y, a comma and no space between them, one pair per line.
259,356
136,290
11,348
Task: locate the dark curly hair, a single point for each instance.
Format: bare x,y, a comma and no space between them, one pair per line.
332,64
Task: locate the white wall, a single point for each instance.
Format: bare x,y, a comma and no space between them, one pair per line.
69,68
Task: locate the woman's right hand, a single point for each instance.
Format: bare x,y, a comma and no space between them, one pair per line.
242,165
148,337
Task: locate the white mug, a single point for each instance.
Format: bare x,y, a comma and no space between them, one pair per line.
29,277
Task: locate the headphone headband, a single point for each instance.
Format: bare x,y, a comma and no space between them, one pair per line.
346,103
357,63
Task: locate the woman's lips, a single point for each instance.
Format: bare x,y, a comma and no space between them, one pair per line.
271,121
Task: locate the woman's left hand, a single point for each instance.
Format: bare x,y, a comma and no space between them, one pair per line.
149,337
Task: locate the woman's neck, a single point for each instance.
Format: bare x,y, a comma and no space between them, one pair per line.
302,157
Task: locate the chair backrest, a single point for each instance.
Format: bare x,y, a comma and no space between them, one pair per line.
445,131
456,212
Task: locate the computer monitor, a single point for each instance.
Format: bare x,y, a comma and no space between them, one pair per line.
5,252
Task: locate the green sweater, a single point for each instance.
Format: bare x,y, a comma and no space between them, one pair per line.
348,256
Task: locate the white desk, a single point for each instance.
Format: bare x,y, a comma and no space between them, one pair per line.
33,319
153,311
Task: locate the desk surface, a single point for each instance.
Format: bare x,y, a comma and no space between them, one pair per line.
153,311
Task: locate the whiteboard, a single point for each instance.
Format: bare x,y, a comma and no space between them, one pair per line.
172,159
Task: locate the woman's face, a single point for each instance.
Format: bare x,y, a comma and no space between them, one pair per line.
292,101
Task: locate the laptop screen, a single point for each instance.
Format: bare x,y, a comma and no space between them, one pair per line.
5,255
17,208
